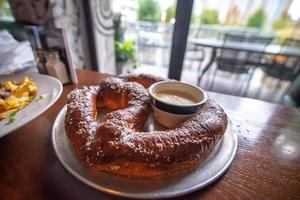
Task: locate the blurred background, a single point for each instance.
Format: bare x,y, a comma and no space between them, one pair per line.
245,48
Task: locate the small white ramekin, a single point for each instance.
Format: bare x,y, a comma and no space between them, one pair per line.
170,114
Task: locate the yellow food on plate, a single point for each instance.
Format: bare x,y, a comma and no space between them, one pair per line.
15,96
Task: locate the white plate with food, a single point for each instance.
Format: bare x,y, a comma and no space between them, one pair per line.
124,151
214,166
25,97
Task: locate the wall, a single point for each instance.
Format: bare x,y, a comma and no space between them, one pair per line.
69,15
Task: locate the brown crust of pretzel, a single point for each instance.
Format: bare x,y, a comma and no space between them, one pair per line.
117,143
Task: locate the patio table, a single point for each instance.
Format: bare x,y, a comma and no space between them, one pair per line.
266,166
216,44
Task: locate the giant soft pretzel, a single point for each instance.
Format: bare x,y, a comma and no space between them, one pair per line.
117,143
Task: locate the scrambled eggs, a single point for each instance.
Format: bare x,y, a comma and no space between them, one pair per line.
15,96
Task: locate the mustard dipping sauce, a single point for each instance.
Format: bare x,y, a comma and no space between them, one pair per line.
175,97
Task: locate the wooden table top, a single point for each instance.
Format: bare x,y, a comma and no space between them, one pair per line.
266,166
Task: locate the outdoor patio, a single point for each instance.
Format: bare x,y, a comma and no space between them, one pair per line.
224,82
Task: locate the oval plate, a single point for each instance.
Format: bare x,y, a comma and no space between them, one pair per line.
50,88
210,170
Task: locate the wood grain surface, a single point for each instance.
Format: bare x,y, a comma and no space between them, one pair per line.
266,166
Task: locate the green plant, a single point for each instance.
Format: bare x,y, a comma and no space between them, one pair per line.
170,13
257,19
126,51
2,4
148,11
5,8
209,16
283,22
194,18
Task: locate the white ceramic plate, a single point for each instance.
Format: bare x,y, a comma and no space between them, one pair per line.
209,171
49,87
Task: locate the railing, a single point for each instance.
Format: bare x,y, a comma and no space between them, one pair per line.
154,39
159,34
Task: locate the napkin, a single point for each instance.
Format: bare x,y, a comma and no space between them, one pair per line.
14,56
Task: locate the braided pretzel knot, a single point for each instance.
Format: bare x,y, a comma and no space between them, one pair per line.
118,143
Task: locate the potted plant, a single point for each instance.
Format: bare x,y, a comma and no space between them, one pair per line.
125,55
125,50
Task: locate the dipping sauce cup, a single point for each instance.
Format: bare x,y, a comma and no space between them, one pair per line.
174,101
